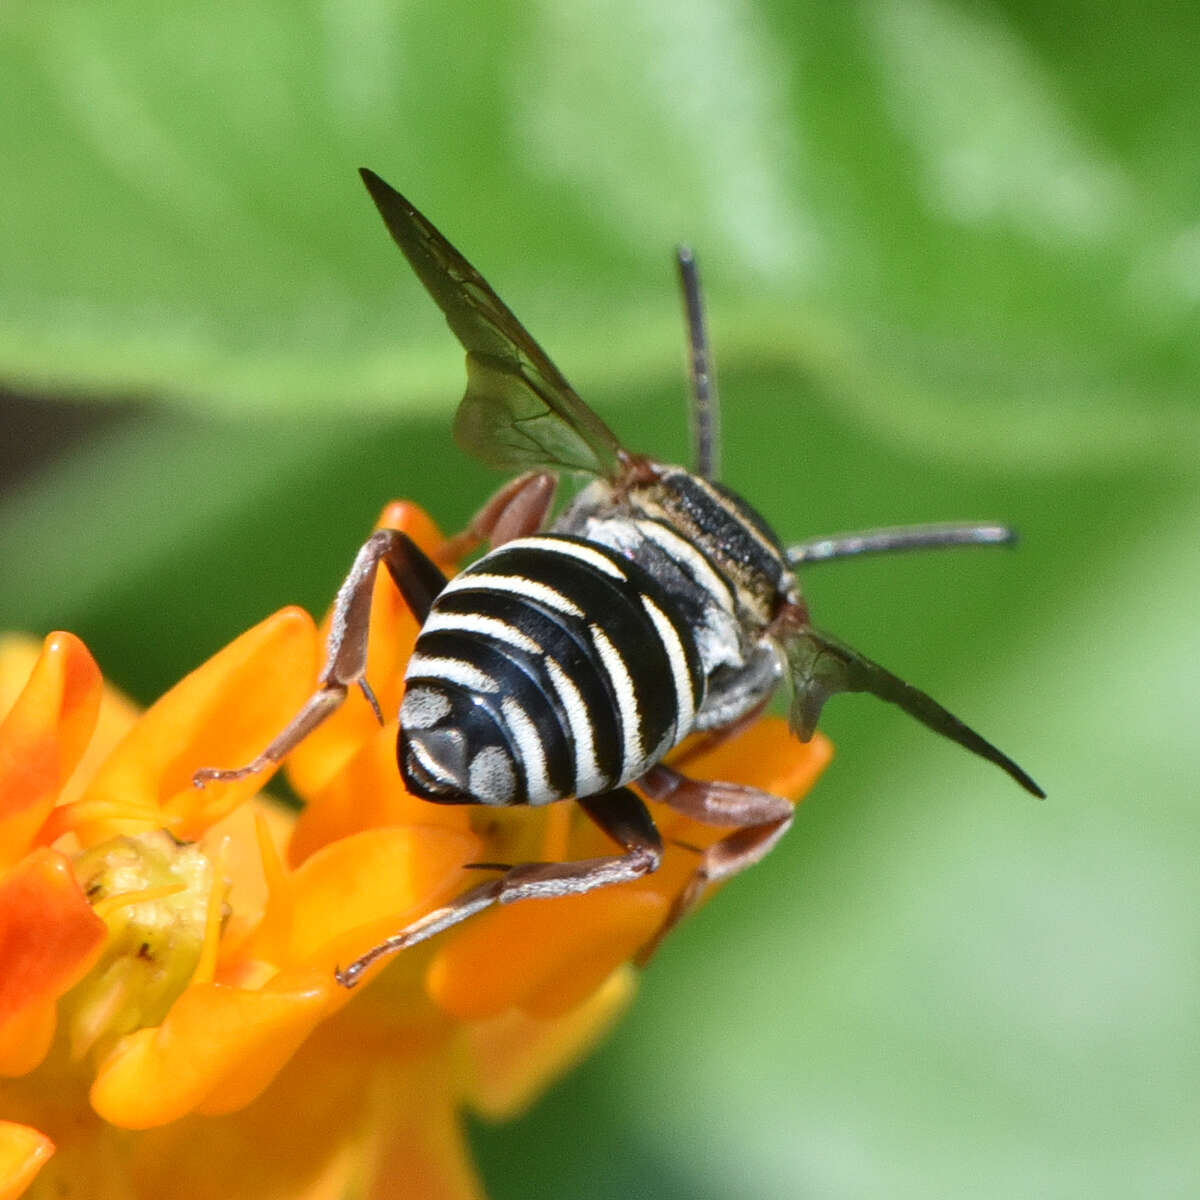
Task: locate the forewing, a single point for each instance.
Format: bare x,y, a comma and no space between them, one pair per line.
821,666
518,412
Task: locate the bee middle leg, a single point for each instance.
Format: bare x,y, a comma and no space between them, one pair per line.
518,509
419,581
758,819
621,814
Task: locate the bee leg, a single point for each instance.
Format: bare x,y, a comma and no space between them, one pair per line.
758,819
418,580
518,509
621,815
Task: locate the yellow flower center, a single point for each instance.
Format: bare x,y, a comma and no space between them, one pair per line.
154,894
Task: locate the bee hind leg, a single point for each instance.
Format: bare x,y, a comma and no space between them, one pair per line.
621,815
418,580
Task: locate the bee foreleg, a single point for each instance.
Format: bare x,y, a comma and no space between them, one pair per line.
418,580
518,509
759,820
621,815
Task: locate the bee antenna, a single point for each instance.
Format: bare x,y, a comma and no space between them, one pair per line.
900,537
705,405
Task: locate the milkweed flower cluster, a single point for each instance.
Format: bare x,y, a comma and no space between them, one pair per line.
169,1020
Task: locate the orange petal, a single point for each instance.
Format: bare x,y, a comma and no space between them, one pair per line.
423,1153
49,936
514,1057
544,956
367,793
23,1151
246,843
348,1116
764,755
26,1037
392,635
43,737
217,1049
220,715
18,654
368,885
118,715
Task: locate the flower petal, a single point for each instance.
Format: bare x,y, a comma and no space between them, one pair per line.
246,844
347,1116
763,755
217,1049
363,887
514,1057
23,1151
392,636
43,737
26,1038
49,936
367,793
222,714
544,956
423,1154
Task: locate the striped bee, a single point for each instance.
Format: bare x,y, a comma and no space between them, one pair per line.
569,659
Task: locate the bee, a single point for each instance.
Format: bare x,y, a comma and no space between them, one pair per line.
569,659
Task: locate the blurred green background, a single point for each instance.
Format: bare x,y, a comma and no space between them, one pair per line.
952,253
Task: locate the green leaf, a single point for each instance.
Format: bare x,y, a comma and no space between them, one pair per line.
1013,276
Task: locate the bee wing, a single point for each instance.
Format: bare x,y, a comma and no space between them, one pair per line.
821,666
518,412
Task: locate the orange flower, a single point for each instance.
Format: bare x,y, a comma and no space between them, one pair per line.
169,1020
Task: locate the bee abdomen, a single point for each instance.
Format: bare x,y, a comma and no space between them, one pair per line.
552,667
